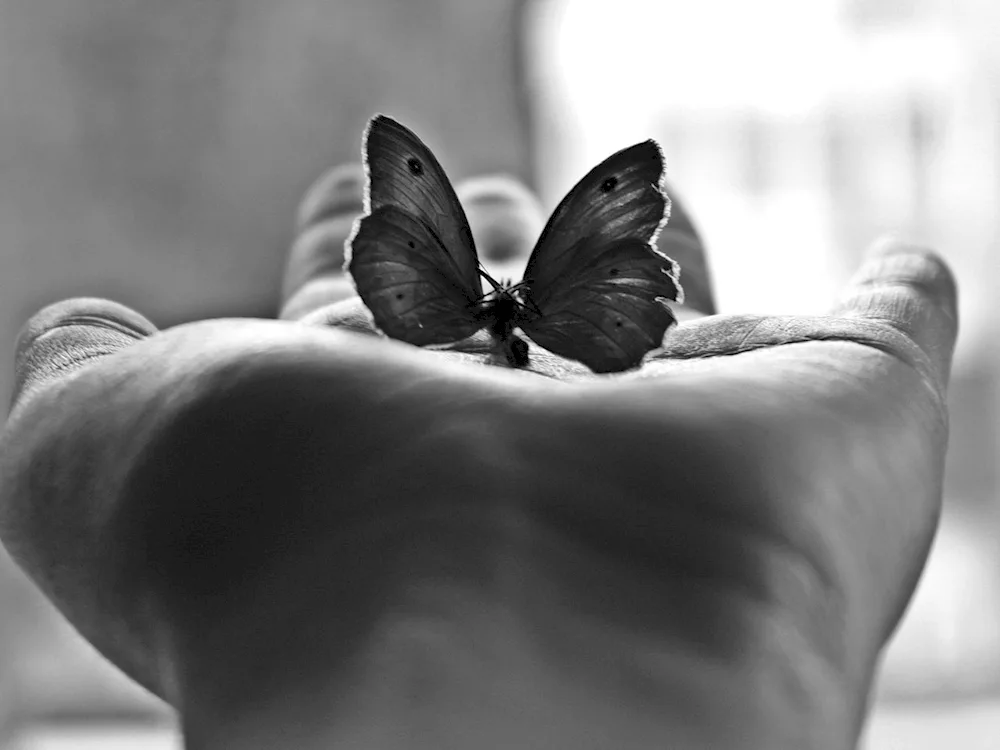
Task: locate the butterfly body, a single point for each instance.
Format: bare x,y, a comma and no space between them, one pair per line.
595,287
502,311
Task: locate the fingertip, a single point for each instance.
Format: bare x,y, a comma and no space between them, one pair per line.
324,223
916,263
339,192
84,311
493,189
65,335
893,260
348,315
318,252
912,288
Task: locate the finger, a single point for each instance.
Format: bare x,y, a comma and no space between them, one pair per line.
314,274
506,219
913,290
680,240
66,336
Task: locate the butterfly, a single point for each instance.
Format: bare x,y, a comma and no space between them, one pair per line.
595,288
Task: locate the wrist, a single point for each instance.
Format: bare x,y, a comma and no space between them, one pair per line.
432,643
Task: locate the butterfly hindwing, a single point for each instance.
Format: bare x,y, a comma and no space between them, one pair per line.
403,277
412,256
608,313
596,281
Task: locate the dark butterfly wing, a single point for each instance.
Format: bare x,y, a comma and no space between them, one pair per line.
620,198
403,172
403,275
596,282
412,256
610,312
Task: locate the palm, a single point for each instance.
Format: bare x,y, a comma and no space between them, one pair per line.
761,492
826,390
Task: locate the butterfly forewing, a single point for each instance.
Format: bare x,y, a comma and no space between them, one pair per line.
412,255
621,198
403,172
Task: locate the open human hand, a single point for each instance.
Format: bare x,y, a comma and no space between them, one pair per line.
300,534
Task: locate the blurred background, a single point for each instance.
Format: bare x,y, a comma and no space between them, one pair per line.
154,153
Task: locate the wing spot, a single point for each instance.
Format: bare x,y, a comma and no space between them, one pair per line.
415,166
609,184
618,324
411,244
399,295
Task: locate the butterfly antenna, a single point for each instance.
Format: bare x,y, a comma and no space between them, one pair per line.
496,284
525,299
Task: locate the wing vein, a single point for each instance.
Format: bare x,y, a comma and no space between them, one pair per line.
603,333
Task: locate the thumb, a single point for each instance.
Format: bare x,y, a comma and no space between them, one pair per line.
913,290
67,335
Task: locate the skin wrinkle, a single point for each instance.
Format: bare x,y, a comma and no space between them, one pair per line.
62,365
875,279
116,324
741,345
484,346
685,342
887,339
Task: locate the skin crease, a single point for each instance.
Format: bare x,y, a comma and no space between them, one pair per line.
304,535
